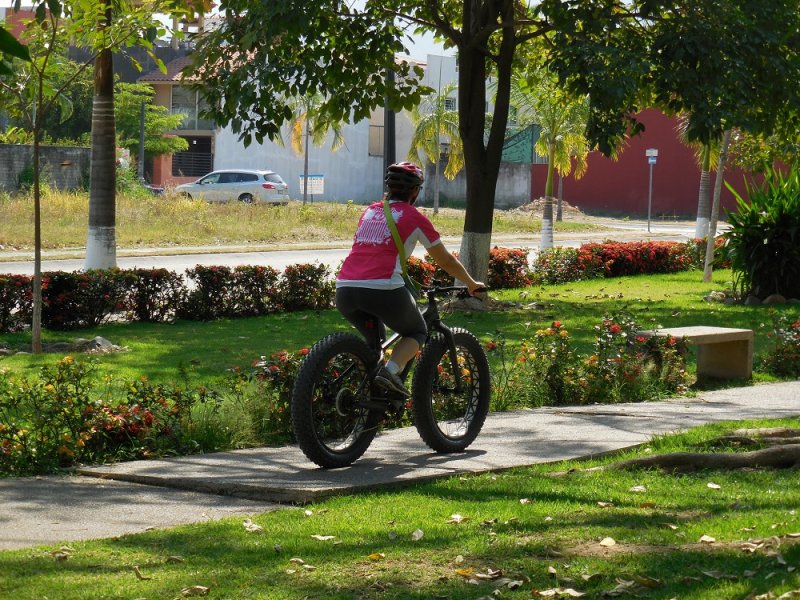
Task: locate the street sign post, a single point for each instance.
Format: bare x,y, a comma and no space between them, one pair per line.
316,184
652,155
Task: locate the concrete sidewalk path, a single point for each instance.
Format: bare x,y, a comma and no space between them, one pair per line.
130,497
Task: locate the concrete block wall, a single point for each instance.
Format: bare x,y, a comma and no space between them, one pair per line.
63,167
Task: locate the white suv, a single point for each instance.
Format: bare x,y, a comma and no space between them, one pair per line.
240,184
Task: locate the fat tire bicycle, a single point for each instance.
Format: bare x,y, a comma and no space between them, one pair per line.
337,408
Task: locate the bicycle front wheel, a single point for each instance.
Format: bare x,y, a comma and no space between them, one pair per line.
330,421
449,419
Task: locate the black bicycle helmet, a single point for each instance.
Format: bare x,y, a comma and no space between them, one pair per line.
403,176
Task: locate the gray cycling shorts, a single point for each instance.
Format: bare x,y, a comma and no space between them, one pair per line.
370,309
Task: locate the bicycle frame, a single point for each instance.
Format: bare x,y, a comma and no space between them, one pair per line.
433,321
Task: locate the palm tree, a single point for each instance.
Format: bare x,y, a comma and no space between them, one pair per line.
562,119
107,26
707,156
712,225
307,126
434,122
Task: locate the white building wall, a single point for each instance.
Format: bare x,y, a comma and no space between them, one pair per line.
351,173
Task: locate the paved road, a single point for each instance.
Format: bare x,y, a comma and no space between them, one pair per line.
132,497
179,260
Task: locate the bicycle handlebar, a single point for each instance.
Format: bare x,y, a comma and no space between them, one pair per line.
435,290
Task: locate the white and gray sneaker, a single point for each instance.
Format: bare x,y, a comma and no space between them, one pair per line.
390,381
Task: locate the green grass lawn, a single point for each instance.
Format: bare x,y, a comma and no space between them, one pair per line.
207,349
521,533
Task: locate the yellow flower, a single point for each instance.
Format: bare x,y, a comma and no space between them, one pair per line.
50,388
64,451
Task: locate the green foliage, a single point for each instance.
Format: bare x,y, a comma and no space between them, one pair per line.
613,259
10,47
624,366
759,153
152,295
783,359
305,287
764,236
300,49
15,302
724,64
435,124
128,100
81,299
508,268
61,418
15,135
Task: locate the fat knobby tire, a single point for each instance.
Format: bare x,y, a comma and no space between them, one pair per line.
447,422
330,429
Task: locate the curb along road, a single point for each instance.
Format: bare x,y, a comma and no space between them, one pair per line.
181,259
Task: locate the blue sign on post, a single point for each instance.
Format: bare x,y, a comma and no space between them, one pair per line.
651,160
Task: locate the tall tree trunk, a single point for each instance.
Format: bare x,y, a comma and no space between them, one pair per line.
305,163
712,225
436,170
36,321
547,210
560,205
101,244
701,225
482,159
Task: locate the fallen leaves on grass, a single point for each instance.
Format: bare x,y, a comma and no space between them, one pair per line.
607,542
251,527
707,539
139,575
456,519
194,590
558,592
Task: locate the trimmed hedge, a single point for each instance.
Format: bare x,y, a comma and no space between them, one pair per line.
85,299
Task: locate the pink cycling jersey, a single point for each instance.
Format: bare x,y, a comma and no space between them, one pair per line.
373,261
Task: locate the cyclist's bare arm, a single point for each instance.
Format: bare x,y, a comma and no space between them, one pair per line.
452,266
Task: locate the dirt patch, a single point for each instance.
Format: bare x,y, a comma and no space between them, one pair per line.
536,207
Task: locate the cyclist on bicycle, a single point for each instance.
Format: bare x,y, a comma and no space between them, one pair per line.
370,291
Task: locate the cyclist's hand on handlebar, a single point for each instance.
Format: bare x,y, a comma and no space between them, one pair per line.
478,290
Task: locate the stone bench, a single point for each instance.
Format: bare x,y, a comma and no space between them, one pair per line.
722,352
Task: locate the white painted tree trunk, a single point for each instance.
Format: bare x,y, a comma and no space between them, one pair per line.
712,225
101,248
474,254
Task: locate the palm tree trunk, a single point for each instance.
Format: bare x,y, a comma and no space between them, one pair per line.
701,225
436,184
559,206
101,244
547,211
305,164
712,225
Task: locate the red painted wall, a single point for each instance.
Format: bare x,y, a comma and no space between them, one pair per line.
621,187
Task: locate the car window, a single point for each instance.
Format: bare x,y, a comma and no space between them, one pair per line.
247,177
227,178
273,178
212,178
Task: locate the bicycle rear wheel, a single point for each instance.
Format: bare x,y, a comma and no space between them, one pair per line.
449,420
332,429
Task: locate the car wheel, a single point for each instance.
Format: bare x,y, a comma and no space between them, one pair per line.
246,198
